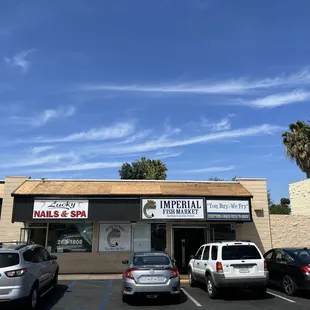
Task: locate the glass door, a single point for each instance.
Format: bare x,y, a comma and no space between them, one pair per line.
35,235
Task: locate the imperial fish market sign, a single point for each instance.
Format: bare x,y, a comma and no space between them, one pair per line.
172,209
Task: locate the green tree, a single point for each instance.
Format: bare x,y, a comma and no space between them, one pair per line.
282,208
144,169
297,145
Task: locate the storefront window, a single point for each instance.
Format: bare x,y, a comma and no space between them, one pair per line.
223,232
64,238
114,237
158,237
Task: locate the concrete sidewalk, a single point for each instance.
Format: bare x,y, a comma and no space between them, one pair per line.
70,277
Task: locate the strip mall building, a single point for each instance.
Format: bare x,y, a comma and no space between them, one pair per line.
92,225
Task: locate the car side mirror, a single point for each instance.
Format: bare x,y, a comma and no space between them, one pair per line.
53,257
192,257
125,262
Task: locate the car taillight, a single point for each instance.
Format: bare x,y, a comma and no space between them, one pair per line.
305,269
219,267
175,272
265,266
16,273
128,273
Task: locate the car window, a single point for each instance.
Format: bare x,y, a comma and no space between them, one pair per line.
151,260
206,253
29,256
236,252
38,255
280,256
269,255
199,253
45,254
8,259
214,252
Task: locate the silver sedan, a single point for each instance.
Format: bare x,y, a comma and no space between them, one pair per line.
150,274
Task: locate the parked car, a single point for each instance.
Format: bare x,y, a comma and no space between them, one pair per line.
289,268
228,264
26,272
150,274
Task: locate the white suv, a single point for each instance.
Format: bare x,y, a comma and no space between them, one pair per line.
229,264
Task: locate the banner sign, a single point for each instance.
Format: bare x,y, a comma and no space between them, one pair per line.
114,237
60,209
226,210
189,209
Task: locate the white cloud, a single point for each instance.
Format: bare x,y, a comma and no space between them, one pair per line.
42,149
233,86
19,60
210,169
163,143
222,125
281,99
23,161
80,167
119,130
167,154
44,117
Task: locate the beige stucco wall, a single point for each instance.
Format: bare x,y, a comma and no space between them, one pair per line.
300,197
290,230
257,231
9,231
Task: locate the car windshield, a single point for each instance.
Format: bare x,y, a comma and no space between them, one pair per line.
151,260
235,252
302,254
8,259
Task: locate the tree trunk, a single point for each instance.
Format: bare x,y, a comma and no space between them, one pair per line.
308,174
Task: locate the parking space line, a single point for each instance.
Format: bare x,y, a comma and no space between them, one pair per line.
191,298
106,295
279,296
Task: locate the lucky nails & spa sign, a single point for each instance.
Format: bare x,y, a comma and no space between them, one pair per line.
60,209
178,208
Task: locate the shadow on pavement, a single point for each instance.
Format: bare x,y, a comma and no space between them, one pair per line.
53,297
46,302
238,294
159,301
301,294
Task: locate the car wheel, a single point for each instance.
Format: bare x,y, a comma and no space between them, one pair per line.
211,288
191,279
33,298
55,279
289,285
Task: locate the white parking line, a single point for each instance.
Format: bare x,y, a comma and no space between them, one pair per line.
191,298
279,296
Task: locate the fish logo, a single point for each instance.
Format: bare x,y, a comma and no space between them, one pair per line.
150,205
115,233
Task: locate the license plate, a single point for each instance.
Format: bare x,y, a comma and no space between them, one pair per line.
151,279
244,270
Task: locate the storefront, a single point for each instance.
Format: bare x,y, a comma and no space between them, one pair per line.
92,226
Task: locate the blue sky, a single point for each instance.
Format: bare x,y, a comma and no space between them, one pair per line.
206,86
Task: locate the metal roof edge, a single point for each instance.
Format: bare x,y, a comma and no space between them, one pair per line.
122,180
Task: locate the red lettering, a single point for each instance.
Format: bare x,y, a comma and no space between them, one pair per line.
36,214
81,214
56,214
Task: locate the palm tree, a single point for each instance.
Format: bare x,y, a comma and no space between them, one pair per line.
297,145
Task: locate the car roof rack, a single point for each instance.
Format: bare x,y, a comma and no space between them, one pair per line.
19,244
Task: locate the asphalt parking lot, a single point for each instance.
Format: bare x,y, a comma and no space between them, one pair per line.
106,295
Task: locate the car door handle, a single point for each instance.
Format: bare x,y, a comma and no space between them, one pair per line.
197,263
206,264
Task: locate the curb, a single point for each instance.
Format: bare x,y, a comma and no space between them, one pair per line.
184,281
